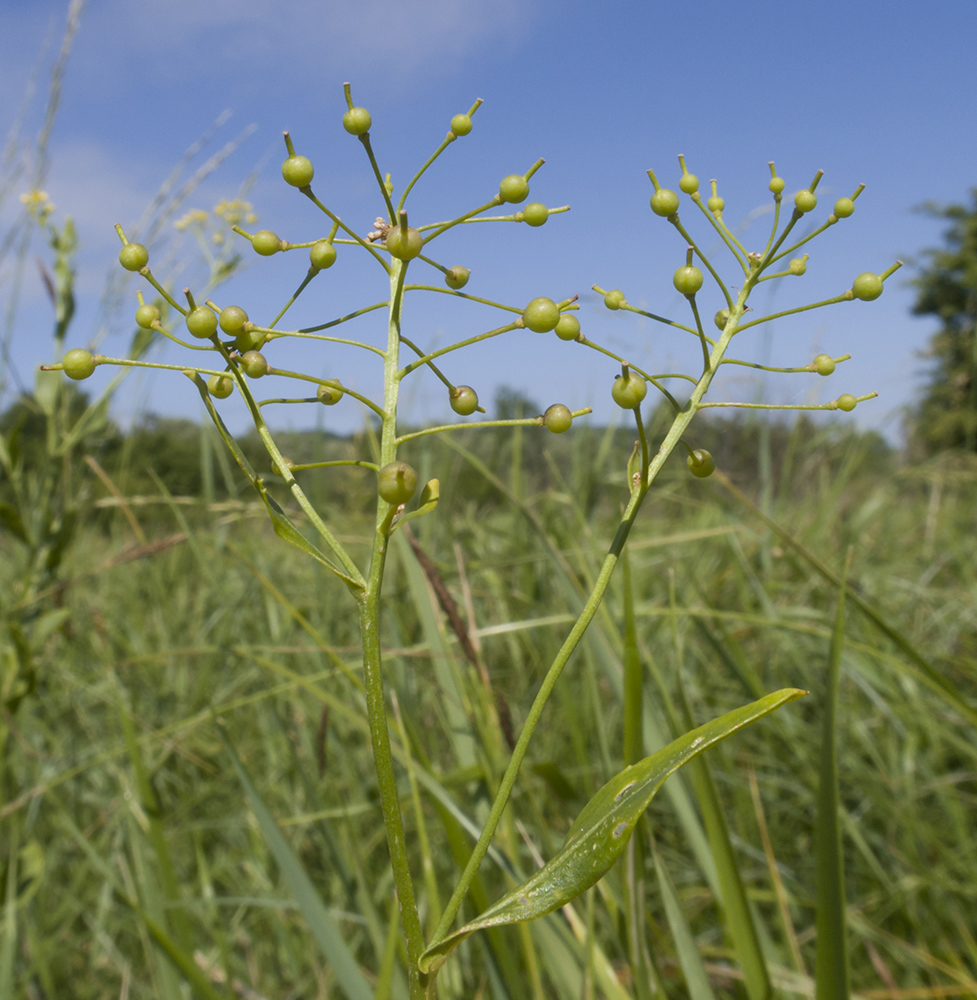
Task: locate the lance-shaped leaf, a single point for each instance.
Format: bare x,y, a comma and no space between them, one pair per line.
602,830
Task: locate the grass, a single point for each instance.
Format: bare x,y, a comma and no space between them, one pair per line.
117,785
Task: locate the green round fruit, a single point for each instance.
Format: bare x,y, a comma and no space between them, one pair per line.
806,200
797,266
457,277
824,364
254,364
514,188
78,364
777,185
715,203
330,392
847,402
461,125
133,256
463,399
721,319
298,171
146,315
322,254
844,207
232,320
629,390
614,299
357,121
220,386
249,339
535,214
867,286
202,322
396,483
701,463
266,242
687,279
541,315
567,327
664,202
557,418
689,183
404,244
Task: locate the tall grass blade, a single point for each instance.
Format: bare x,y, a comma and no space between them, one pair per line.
924,670
323,927
696,977
831,973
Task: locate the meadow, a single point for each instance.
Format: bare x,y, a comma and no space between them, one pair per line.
182,680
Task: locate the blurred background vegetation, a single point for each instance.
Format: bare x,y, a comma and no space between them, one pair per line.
142,592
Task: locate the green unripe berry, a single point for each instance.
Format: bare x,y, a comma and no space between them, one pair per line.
541,315
797,266
330,392
689,183
701,463
322,254
457,277
133,256
254,364
357,121
614,299
396,483
847,402
721,319
687,279
248,339
146,315
514,188
568,327
664,202
404,244
715,203
266,242
867,286
824,364
463,399
298,171
202,322
777,185
461,125
78,364
557,418
535,214
844,207
629,390
805,200
220,386
232,320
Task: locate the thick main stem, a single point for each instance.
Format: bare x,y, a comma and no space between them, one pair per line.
372,661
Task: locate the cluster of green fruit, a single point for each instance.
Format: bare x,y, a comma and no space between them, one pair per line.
397,482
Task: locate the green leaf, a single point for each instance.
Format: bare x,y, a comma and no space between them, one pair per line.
602,830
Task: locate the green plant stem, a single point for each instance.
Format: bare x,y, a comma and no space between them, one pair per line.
638,495
844,297
342,319
524,422
372,663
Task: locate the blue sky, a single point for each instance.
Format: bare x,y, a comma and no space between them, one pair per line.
880,94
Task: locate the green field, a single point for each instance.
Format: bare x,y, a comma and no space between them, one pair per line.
171,619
